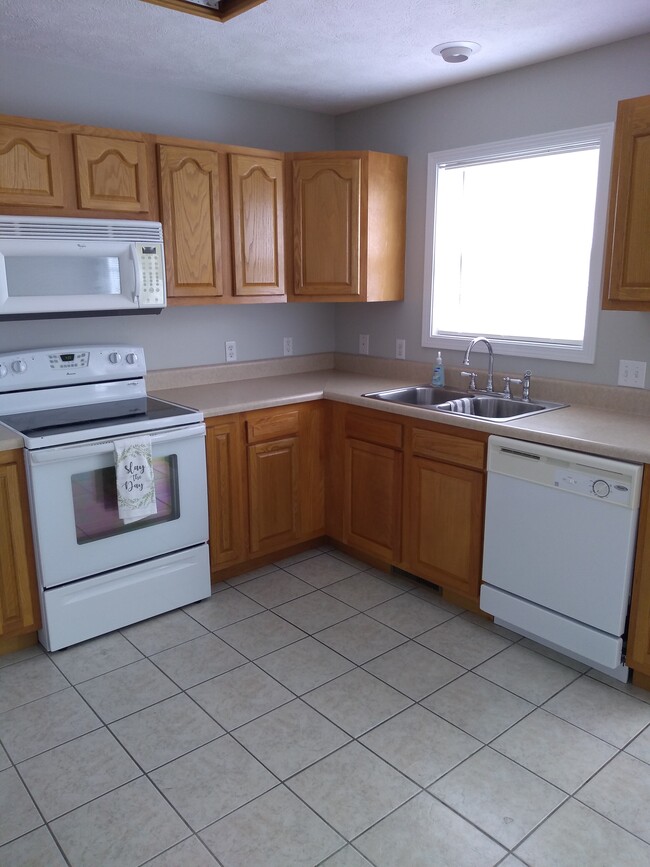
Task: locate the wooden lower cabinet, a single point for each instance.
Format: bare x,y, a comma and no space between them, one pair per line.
373,493
638,641
444,506
265,482
19,607
409,494
444,531
227,500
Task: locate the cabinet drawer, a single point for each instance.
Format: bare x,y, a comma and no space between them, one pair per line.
272,425
372,429
449,448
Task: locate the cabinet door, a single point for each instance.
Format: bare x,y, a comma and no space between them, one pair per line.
372,499
273,494
445,529
627,258
257,213
112,174
189,187
226,461
19,611
31,167
327,226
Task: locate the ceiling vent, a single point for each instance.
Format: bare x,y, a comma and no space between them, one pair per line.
218,10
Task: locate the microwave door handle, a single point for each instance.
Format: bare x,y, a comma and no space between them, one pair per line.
137,273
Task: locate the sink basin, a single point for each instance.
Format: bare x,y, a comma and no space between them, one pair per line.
489,407
494,408
418,395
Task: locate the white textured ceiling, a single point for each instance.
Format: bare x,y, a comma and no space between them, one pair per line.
332,56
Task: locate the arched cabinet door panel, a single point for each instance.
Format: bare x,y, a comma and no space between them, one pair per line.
112,174
257,214
189,187
31,167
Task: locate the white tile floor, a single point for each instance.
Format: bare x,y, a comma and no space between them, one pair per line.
319,712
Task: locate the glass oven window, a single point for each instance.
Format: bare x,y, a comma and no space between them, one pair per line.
94,497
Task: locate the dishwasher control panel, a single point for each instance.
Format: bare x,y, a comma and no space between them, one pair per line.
617,483
614,489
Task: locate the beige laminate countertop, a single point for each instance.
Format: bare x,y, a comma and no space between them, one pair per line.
582,428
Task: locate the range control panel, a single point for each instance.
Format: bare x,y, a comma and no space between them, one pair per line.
47,368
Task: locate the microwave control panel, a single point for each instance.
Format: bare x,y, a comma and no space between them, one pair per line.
152,269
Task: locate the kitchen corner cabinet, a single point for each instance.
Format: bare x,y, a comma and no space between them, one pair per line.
285,476
444,508
627,251
265,482
349,223
19,607
257,225
189,194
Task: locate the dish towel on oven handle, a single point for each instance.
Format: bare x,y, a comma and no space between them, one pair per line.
136,493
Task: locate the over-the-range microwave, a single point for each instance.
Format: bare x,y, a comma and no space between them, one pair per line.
59,266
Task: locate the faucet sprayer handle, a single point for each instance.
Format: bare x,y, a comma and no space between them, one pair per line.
472,379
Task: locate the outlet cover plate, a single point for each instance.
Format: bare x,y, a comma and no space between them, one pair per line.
632,373
364,344
231,350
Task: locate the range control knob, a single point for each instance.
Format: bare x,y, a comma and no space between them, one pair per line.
131,358
18,366
601,488
114,357
3,371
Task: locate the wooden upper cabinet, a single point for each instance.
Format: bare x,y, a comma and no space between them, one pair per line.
627,252
19,609
327,214
189,194
257,224
112,174
31,167
349,219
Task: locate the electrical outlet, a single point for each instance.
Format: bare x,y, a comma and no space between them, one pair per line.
288,345
400,348
364,344
231,350
631,373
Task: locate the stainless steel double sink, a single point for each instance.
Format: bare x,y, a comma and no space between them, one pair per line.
491,407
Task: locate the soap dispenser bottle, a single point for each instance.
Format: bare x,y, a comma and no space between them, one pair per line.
438,378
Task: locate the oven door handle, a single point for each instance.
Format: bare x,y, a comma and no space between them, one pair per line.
101,447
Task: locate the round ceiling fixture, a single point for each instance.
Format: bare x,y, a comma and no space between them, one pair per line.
456,52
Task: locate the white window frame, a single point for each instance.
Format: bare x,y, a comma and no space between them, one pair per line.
603,135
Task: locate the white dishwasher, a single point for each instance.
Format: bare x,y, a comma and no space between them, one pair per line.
560,534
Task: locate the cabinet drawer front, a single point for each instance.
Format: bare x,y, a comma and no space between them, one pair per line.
446,447
272,425
373,430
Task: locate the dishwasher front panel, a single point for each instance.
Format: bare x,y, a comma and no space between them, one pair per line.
568,553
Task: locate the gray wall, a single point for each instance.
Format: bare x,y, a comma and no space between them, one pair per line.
179,336
575,91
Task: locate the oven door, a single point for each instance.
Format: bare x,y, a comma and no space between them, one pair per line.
77,530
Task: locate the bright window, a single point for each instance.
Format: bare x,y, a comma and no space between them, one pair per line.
515,234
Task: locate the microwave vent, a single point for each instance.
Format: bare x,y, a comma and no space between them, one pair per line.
56,228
